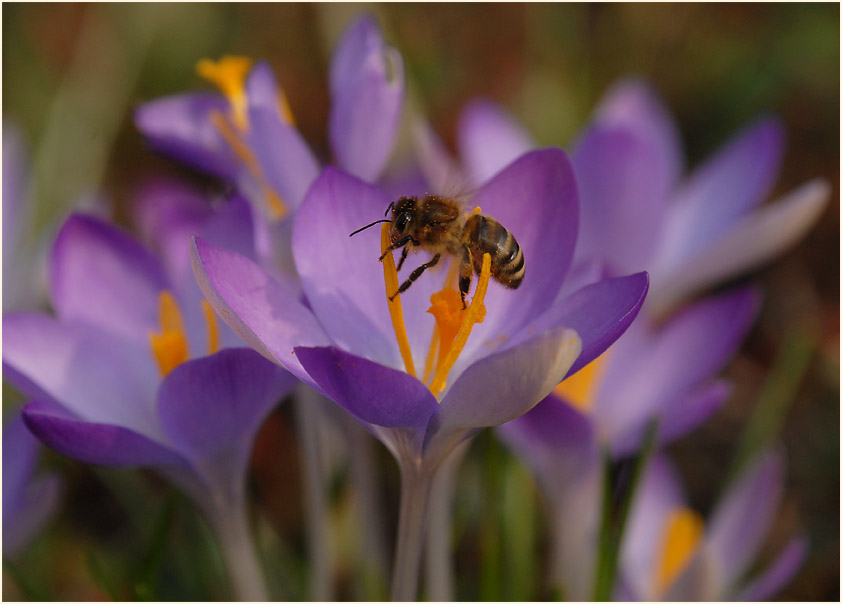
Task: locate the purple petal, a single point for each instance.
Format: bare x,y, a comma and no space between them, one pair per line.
623,188
779,573
658,494
103,277
490,139
727,186
261,311
553,437
340,275
211,408
98,378
599,313
632,103
284,156
180,127
507,384
744,515
534,198
439,168
262,88
754,239
647,371
369,391
367,91
96,443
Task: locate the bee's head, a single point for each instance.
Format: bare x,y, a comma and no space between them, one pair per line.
403,211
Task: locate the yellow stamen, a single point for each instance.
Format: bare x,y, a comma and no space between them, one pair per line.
213,330
578,389
170,346
229,74
390,275
274,202
473,315
682,532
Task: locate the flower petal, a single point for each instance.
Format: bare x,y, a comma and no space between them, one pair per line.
179,127
744,515
554,438
259,309
438,166
752,240
367,92
98,378
599,313
507,384
490,139
369,391
727,186
534,198
96,443
623,187
340,275
764,587
211,408
103,277
632,103
20,453
655,367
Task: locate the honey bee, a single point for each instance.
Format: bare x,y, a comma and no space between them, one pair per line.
438,225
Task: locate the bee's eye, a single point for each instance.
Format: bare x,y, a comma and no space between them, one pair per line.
402,221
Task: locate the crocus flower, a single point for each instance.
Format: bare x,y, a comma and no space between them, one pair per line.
246,136
29,500
130,372
349,342
670,553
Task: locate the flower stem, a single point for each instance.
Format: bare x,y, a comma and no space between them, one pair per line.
315,496
239,553
416,481
438,560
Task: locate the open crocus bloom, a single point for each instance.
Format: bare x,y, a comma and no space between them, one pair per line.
130,373
343,340
637,212
669,553
247,134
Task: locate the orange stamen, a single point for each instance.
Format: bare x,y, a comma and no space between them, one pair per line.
169,347
444,305
213,329
682,532
229,74
390,276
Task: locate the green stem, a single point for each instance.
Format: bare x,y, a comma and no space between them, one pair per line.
611,534
238,551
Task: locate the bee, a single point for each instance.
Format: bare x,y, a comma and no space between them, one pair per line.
438,225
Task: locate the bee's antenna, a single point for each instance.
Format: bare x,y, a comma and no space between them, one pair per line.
368,225
391,205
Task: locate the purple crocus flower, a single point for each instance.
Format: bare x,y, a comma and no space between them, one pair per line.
29,500
343,343
247,136
669,553
133,370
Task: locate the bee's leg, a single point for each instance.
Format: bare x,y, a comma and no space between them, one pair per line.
403,257
415,274
466,271
397,244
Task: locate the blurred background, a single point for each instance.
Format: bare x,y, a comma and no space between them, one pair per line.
72,73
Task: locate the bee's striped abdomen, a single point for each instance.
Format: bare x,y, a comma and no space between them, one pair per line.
485,235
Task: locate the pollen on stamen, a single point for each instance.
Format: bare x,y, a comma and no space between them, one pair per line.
213,329
390,276
683,531
579,389
475,313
